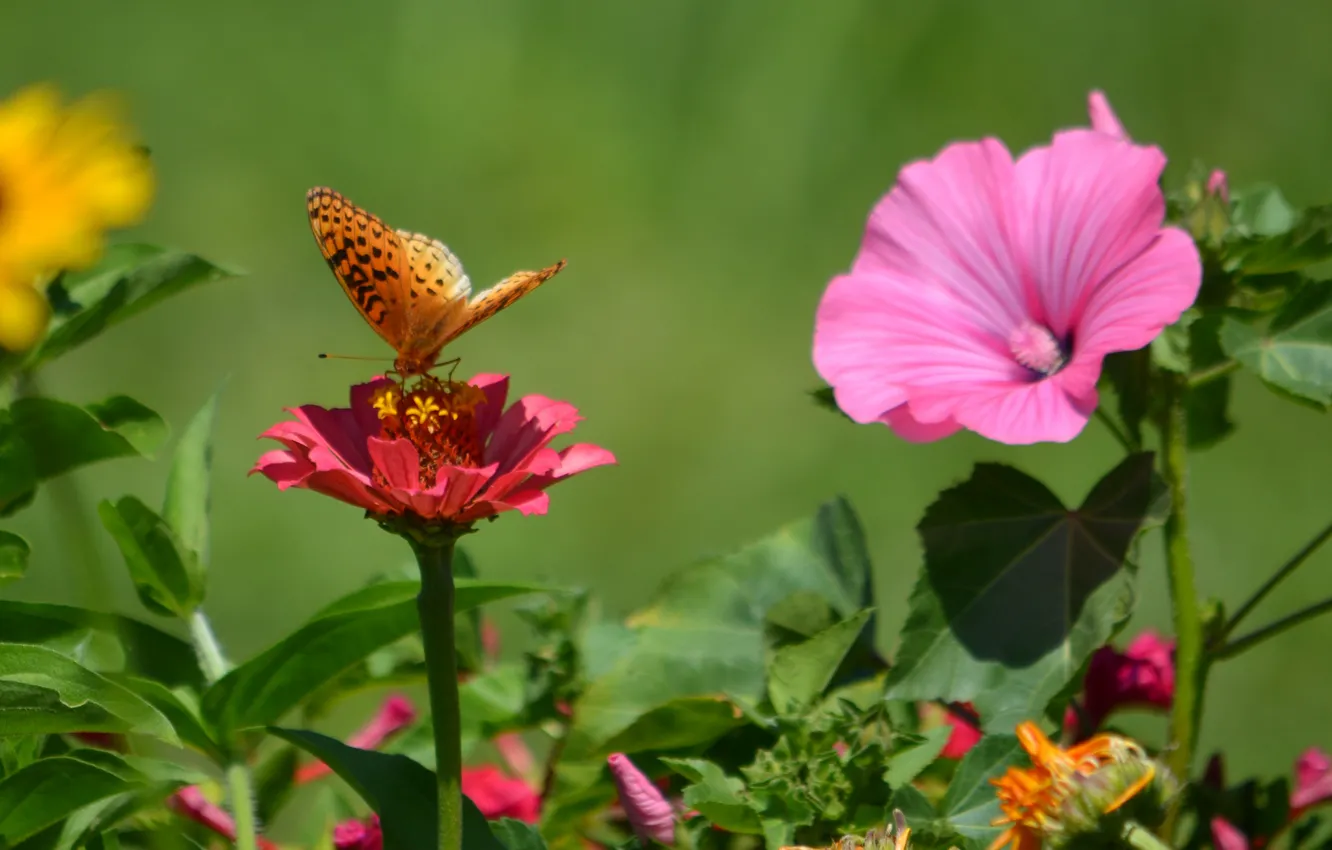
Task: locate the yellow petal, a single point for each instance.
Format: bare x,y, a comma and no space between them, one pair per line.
23,316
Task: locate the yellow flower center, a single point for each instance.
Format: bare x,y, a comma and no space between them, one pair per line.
438,418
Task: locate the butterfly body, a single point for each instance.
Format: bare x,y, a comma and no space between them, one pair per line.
410,288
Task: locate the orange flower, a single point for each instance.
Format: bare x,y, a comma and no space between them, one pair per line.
1039,800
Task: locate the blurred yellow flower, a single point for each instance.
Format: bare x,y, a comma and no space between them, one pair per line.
66,175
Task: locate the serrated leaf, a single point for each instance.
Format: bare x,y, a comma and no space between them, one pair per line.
262,690
799,672
166,574
63,436
1293,353
185,507
401,792
970,804
42,692
909,759
1307,242
1017,590
128,280
14,552
148,651
703,633
716,796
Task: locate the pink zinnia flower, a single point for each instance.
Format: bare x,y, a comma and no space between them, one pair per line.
447,452
1313,781
645,807
500,796
359,834
394,715
1142,675
987,292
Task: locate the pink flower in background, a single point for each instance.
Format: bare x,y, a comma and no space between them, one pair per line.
501,796
1218,185
987,292
191,803
1226,837
1142,675
395,714
966,733
1313,781
446,452
359,834
646,808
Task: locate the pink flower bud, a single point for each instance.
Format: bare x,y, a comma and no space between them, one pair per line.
395,714
1227,837
1142,675
359,834
1313,779
1217,185
648,812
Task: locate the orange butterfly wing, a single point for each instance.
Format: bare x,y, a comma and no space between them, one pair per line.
411,289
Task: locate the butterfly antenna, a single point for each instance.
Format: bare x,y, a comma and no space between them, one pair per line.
326,356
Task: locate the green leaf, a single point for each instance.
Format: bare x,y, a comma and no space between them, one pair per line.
129,279
43,692
48,791
1017,590
64,436
1306,243
183,715
799,673
680,723
262,690
400,791
716,796
167,575
1262,211
185,508
516,835
1294,352
703,634
912,754
14,551
18,467
970,804
147,651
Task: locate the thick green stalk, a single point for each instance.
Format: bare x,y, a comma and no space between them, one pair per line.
239,784
1190,669
435,607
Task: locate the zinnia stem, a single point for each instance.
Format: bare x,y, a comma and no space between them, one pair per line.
1189,662
239,785
435,607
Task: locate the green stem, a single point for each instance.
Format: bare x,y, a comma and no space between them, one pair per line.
1279,576
239,784
1190,669
435,607
1211,373
1252,639
242,806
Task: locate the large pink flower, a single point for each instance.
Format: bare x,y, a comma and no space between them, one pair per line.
987,292
446,452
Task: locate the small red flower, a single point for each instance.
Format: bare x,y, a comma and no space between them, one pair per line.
1313,781
500,796
1142,675
965,735
359,834
443,452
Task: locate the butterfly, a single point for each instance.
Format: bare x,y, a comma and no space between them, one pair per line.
411,289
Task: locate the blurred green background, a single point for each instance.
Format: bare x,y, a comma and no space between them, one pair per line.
706,166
